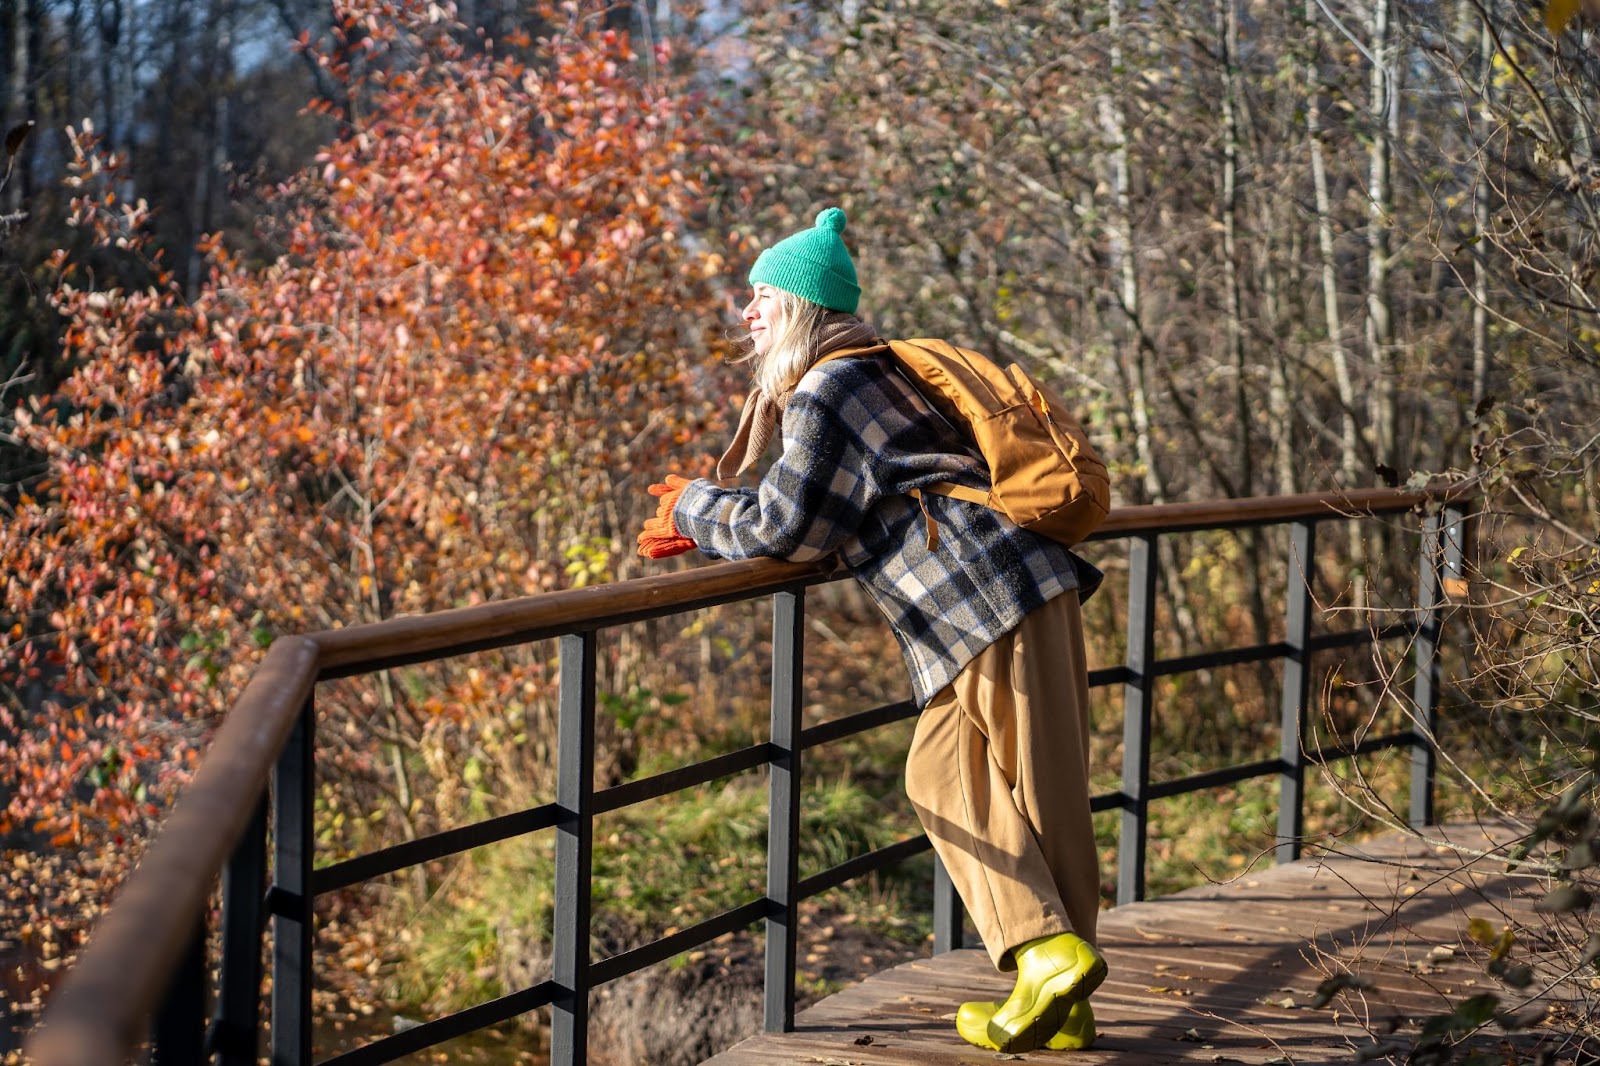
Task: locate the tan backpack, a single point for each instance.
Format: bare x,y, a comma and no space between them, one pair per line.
1045,475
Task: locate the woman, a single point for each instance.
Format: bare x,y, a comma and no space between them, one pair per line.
986,615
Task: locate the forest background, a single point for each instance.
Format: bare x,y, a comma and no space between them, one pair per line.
316,315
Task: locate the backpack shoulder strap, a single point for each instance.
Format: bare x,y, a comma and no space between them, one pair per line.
959,492
901,356
871,350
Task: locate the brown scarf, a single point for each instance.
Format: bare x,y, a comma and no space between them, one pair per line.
762,413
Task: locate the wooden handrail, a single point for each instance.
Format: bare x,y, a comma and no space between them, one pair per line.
504,622
1251,510
101,1010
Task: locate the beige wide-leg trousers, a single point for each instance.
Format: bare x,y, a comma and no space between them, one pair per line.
999,774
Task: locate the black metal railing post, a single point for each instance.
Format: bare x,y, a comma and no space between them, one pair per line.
1138,693
293,837
1425,688
1453,572
1453,587
569,1036
238,1011
1299,595
1443,548
949,917
180,1027
783,806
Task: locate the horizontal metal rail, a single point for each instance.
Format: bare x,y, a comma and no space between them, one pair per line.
105,1006
860,722
437,1031
1110,675
676,943
692,776
1224,776
1351,638
434,846
851,869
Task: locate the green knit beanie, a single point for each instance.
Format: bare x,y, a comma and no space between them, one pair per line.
813,264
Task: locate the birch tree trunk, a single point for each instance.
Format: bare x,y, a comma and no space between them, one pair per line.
1385,107
1113,124
1227,18
1380,336
16,107
1134,365
109,15
1228,44
74,62
1338,352
1480,218
1280,383
217,71
176,73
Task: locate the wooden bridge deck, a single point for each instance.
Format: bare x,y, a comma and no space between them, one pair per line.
1221,973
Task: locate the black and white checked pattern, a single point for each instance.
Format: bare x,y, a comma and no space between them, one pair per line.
856,438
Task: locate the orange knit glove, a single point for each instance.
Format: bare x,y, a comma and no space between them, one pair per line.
660,537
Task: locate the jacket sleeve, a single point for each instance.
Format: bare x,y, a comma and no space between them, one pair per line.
811,501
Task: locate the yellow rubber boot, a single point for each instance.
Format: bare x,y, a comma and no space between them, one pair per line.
1053,973
1077,1034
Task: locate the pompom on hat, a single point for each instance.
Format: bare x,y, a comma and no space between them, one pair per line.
813,264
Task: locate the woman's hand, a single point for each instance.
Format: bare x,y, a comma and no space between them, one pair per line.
660,538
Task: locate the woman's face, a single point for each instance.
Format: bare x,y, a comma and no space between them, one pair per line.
763,315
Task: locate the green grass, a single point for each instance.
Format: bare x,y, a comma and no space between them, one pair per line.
658,867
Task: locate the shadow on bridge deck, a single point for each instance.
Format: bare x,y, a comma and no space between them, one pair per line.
1220,973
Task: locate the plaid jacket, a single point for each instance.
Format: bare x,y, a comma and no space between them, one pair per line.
856,437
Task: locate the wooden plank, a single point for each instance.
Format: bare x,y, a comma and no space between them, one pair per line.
1221,973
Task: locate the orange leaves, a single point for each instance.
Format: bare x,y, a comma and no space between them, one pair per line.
1559,13
477,326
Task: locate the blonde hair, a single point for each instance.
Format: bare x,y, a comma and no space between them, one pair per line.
794,345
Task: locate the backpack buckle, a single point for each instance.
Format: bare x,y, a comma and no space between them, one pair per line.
927,516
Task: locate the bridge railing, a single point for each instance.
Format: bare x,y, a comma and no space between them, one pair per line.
246,817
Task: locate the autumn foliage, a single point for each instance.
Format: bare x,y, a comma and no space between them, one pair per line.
484,336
